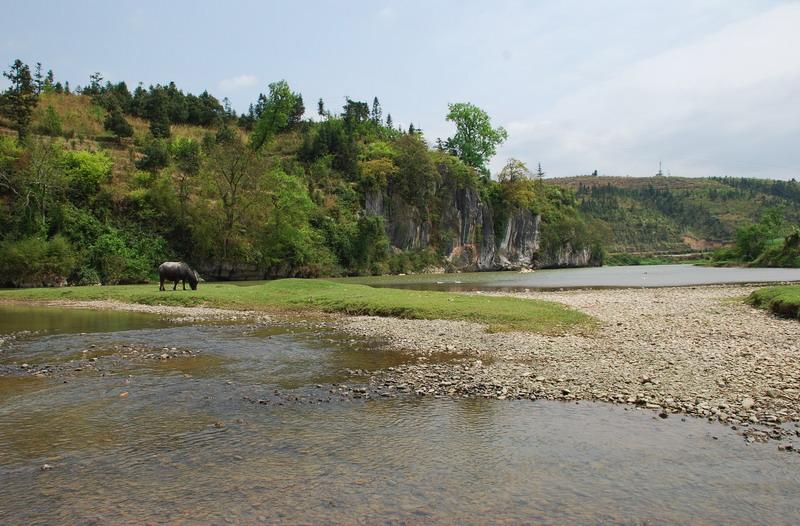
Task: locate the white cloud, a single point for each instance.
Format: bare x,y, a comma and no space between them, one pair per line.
238,82
723,104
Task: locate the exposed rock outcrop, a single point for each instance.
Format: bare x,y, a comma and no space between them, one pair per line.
465,233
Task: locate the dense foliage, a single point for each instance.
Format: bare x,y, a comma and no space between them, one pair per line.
100,184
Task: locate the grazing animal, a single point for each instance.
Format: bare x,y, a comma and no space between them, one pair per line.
176,271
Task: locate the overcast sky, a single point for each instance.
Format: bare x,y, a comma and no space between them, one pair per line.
708,87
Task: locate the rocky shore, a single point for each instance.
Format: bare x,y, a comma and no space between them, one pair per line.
691,350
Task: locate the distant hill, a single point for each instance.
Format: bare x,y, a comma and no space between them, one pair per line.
678,213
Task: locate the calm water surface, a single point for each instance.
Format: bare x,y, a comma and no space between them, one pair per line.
594,277
189,445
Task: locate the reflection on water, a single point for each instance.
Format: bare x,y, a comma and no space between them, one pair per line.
595,277
47,320
176,441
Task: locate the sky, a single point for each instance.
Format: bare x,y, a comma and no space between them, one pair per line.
707,87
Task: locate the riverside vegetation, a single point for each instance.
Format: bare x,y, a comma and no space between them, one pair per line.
100,184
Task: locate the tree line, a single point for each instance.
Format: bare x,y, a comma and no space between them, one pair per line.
269,191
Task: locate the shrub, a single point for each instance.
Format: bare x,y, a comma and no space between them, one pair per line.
35,261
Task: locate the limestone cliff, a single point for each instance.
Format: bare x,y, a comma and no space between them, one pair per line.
464,233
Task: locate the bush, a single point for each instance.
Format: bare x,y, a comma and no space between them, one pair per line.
84,275
50,123
86,172
156,156
125,257
35,262
117,124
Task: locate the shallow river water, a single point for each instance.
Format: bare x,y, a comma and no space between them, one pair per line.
588,277
251,428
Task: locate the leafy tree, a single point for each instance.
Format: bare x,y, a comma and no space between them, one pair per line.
475,141
514,170
416,177
280,107
117,124
286,240
35,180
232,186
186,153
20,99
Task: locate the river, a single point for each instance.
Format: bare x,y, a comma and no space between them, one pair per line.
588,277
255,424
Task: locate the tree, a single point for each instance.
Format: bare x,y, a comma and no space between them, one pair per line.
475,141
38,79
355,114
186,153
156,156
20,99
117,124
35,179
95,86
539,172
279,108
514,170
416,177
231,177
321,107
157,110
377,113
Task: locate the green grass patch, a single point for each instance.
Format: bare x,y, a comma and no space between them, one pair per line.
497,312
782,300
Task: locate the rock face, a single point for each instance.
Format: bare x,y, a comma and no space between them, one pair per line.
465,233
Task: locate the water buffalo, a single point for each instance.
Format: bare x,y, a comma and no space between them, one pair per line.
176,271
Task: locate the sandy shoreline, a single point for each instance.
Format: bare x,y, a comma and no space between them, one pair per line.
693,350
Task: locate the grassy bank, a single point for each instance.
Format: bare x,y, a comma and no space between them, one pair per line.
783,300
499,313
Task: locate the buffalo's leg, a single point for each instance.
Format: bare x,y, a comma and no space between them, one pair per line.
162,285
175,285
184,284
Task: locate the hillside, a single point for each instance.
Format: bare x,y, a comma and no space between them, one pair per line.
678,214
104,184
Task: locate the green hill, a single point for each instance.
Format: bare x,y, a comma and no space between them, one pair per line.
103,183
645,214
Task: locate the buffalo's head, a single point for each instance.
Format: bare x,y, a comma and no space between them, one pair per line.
194,279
